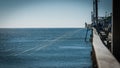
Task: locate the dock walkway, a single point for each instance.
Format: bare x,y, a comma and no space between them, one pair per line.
104,57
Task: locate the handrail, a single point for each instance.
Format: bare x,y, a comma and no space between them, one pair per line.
104,57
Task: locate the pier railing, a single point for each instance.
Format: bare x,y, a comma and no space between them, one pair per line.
103,57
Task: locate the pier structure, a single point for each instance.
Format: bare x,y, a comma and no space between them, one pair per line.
105,45
103,25
102,57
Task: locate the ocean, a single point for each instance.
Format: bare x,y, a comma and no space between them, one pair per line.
45,48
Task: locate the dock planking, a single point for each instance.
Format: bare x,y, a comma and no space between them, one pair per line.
104,57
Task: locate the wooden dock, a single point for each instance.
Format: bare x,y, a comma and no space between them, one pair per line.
104,57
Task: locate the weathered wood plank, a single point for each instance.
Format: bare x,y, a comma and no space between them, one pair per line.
104,57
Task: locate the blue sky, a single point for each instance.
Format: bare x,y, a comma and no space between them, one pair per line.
48,13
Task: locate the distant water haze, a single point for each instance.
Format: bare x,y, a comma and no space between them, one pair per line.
49,13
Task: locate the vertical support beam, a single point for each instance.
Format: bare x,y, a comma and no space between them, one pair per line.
96,4
116,29
95,11
86,34
112,32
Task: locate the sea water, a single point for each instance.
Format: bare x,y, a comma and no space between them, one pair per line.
45,48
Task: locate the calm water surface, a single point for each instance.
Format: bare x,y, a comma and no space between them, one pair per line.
45,48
